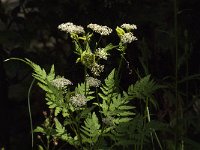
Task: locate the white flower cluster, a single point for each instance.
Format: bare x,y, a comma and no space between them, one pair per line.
78,100
96,69
128,38
101,53
93,82
128,27
71,28
103,30
61,82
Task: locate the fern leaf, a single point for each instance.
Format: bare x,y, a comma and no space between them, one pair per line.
57,111
51,74
44,87
108,88
143,88
109,47
39,73
59,128
84,90
62,133
39,130
91,129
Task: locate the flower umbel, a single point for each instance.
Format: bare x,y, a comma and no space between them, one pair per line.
128,38
78,100
61,82
128,27
71,28
97,69
103,30
101,53
93,82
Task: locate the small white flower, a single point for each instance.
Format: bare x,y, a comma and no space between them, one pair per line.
96,69
101,53
61,82
128,27
93,82
103,30
78,100
71,28
128,38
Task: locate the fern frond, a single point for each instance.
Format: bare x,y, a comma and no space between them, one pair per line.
119,107
91,129
54,96
61,132
40,74
55,100
84,90
51,74
143,88
130,133
135,131
114,104
108,88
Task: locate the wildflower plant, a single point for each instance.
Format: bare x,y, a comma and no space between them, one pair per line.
86,115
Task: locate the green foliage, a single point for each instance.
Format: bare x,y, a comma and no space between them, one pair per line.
54,96
46,128
136,131
62,133
40,147
120,31
143,88
85,116
114,106
131,133
25,32
84,89
108,90
41,75
91,129
113,103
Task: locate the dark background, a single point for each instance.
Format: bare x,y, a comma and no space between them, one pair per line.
28,29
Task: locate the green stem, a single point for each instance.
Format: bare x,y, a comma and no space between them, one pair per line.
118,76
29,91
176,71
79,135
48,143
179,112
141,144
19,59
43,144
98,42
29,111
75,127
187,63
158,140
149,120
85,76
